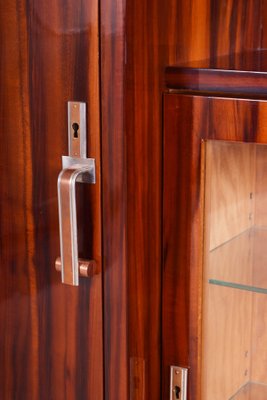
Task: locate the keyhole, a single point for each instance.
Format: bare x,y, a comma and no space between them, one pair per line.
177,392
75,128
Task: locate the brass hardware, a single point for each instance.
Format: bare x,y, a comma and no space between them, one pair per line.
87,268
77,129
178,383
76,168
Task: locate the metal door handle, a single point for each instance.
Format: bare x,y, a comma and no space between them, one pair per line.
76,168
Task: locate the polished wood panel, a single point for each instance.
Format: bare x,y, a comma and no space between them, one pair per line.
137,379
206,29
217,81
188,120
244,74
248,60
181,265
115,265
144,158
139,39
51,335
158,35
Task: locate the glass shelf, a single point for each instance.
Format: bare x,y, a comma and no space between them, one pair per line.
238,286
251,391
241,263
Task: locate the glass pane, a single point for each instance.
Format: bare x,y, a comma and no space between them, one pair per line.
241,262
251,391
235,272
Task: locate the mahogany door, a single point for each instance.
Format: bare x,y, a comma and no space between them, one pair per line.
51,335
223,353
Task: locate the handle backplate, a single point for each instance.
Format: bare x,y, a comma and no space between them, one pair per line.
75,168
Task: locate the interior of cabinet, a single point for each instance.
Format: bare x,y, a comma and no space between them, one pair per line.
234,351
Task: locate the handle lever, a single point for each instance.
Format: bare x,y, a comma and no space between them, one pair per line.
76,168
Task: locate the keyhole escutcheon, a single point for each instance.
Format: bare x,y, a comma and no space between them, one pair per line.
75,128
177,392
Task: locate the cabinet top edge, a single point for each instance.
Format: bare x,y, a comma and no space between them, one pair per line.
243,73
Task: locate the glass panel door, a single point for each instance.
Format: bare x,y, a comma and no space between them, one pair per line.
234,351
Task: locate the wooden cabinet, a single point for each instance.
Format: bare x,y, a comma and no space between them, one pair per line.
116,335
214,229
55,342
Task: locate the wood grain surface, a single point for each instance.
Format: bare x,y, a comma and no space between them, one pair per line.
50,55
188,120
114,200
144,148
51,335
158,35
212,81
204,30
155,35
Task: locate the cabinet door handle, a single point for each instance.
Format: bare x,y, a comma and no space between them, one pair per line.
76,168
